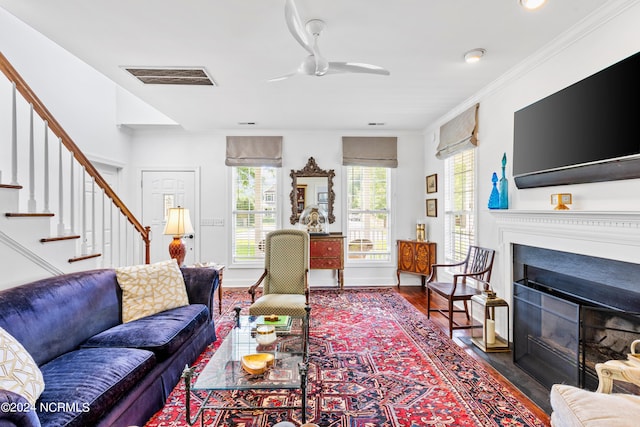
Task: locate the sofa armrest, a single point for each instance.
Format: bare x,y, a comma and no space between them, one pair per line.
201,283
16,411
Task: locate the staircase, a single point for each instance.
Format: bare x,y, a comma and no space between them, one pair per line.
57,214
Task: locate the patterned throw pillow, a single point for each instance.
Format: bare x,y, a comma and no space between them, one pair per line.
151,288
19,373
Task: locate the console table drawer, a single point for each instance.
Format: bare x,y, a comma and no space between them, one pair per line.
325,263
321,248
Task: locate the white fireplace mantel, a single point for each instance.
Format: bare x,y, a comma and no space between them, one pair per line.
612,235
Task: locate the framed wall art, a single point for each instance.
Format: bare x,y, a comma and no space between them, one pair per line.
432,183
432,207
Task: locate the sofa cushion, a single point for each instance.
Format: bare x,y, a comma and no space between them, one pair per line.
85,384
18,372
151,288
162,333
575,407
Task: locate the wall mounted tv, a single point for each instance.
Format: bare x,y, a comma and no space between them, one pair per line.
587,132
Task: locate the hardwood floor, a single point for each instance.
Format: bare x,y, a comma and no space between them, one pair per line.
501,363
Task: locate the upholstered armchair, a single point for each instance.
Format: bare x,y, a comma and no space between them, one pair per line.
575,407
285,287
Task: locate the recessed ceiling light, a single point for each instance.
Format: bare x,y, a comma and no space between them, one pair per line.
376,124
532,4
474,55
247,123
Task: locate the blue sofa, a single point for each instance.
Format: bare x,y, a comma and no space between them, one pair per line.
97,370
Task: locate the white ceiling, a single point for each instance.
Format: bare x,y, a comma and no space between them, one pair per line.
243,43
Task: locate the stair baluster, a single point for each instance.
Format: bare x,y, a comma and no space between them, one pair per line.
46,167
61,230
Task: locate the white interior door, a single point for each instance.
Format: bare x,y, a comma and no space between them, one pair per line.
102,239
162,190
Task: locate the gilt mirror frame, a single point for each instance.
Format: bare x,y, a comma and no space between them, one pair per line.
312,170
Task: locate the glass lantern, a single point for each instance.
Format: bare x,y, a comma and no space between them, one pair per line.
314,219
488,304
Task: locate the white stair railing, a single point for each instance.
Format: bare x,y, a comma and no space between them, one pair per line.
129,244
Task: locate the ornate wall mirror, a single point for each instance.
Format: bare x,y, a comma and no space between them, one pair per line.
311,186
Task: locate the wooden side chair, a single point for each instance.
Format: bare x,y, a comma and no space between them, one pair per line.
475,270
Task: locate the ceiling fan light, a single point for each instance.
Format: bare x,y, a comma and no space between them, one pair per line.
532,4
474,55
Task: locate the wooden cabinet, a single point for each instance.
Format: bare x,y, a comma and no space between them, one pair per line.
416,258
326,252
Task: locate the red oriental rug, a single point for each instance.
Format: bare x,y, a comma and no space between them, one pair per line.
375,361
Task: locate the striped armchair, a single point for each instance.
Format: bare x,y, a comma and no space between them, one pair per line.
285,287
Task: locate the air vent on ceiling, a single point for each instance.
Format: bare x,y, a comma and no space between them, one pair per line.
171,76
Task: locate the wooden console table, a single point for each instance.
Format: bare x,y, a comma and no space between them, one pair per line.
416,258
326,252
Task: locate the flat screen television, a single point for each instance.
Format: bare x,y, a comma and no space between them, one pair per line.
587,132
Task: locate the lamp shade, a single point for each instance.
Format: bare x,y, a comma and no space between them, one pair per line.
179,222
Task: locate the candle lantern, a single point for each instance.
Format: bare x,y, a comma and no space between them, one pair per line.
488,304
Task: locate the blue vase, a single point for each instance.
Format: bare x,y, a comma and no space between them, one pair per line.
504,186
494,198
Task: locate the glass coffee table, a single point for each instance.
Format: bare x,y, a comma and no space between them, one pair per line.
223,373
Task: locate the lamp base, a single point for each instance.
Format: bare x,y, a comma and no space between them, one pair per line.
177,250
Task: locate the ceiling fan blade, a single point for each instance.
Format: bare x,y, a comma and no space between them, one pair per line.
355,67
284,77
295,25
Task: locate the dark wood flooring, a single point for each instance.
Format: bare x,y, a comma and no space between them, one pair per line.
507,373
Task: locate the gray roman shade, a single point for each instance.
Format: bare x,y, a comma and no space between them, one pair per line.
254,151
370,151
458,134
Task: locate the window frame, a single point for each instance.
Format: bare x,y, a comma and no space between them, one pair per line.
450,255
256,262
364,263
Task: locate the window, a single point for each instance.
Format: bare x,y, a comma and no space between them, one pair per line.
255,192
459,205
368,213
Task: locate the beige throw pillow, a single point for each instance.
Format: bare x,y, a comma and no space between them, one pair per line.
151,288
19,373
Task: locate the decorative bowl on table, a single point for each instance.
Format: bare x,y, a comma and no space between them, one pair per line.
257,363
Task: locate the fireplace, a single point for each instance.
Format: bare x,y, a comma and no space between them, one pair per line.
572,311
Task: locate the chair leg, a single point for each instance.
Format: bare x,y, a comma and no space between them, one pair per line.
450,318
466,310
428,303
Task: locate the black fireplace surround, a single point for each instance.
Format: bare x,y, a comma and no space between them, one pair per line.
570,312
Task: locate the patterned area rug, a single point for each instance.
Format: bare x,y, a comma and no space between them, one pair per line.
375,361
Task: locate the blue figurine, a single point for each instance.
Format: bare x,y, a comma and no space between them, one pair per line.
494,198
504,186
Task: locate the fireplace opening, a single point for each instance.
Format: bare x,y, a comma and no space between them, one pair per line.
564,324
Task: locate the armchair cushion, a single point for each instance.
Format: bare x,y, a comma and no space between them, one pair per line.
575,407
280,304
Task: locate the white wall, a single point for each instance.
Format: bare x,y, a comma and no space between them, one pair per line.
153,149
593,49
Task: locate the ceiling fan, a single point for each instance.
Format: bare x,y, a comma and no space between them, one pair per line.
315,64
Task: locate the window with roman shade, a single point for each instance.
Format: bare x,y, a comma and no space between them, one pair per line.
459,134
368,162
254,162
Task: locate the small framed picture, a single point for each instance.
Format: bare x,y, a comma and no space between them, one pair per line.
432,183
323,197
432,207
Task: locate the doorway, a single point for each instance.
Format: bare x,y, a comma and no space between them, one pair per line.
161,190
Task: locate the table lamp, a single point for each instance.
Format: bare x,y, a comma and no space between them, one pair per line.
178,224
